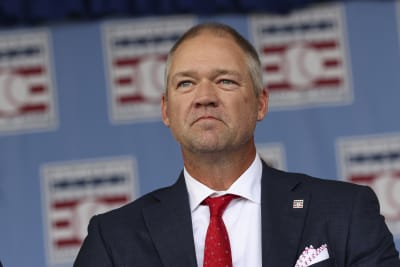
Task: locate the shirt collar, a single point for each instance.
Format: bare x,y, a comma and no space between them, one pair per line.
248,186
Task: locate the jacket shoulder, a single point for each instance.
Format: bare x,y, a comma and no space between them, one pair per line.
325,188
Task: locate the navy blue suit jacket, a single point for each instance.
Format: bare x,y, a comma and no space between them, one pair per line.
156,229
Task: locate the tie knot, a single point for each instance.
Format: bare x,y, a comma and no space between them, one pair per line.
218,205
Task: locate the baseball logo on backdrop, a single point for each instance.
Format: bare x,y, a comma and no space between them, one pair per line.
74,192
26,86
136,54
375,161
304,57
273,154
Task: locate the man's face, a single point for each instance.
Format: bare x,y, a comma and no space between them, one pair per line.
211,105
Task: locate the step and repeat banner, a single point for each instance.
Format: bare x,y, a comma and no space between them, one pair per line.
81,131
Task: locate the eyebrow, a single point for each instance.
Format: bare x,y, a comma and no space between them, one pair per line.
227,72
214,73
189,73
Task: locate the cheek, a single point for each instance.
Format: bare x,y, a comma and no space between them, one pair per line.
247,111
176,113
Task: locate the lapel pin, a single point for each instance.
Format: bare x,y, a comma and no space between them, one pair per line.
298,203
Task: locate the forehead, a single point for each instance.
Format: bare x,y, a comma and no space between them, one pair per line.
206,38
208,48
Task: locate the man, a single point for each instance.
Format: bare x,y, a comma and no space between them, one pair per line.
213,101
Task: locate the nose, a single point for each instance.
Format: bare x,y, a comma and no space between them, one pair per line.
206,95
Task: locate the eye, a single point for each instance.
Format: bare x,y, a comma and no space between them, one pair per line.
226,82
184,84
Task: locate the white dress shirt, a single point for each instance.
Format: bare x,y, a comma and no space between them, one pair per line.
242,217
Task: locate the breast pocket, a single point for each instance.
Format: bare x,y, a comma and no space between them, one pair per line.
326,263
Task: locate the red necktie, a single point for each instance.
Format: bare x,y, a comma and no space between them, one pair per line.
217,250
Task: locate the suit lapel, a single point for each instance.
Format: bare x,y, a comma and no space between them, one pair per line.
282,222
170,226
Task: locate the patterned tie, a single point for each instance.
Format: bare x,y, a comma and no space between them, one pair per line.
217,250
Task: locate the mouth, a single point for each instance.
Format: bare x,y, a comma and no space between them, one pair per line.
205,118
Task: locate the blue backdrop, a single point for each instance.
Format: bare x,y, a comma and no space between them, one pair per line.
80,126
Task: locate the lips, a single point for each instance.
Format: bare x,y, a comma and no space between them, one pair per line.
205,118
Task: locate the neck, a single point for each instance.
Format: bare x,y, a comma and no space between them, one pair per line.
218,170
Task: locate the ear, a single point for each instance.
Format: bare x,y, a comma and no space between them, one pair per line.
164,110
262,104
